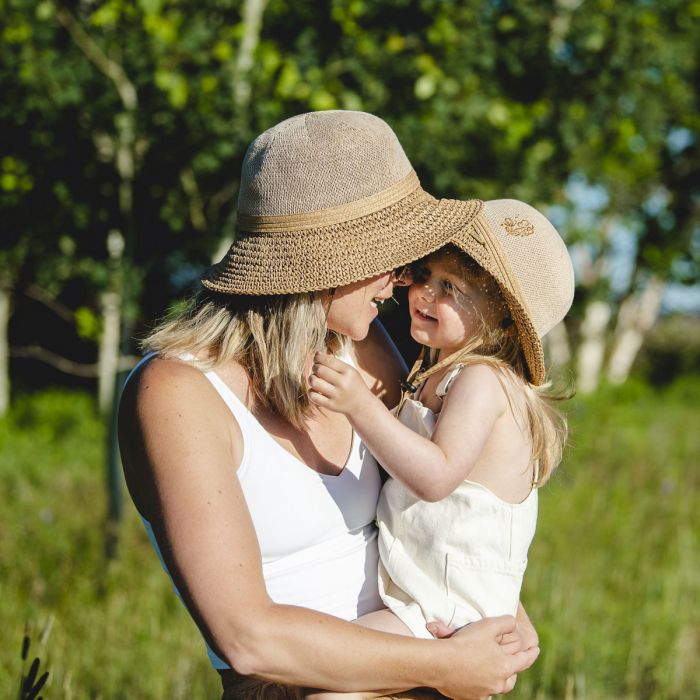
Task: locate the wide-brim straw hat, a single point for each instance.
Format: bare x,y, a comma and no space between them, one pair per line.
524,253
327,199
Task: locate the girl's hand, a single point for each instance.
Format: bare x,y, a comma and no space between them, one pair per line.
335,385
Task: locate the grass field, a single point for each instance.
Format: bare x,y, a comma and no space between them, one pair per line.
612,584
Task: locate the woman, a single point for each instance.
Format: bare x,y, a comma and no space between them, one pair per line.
261,506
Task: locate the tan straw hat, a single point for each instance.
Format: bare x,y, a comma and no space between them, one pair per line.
525,254
327,199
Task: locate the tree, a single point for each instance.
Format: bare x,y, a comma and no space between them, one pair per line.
143,110
633,133
147,95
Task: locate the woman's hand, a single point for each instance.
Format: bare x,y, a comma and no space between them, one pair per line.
493,665
519,640
523,637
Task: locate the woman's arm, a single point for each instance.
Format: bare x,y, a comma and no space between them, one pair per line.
180,447
469,412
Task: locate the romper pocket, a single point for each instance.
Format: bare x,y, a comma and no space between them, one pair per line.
417,586
482,588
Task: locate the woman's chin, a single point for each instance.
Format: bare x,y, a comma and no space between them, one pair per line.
356,333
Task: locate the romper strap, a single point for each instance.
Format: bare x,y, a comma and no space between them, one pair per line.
444,385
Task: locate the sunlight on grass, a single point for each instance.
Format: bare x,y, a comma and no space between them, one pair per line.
117,628
612,584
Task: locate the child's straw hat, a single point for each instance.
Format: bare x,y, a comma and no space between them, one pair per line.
525,254
327,199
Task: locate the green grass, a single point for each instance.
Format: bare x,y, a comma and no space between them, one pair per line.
612,584
116,628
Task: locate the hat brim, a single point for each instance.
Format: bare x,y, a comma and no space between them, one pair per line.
314,259
477,241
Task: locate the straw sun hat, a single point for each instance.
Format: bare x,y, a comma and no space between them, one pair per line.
524,253
330,198
327,199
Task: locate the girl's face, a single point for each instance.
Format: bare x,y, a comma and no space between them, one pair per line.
446,306
354,306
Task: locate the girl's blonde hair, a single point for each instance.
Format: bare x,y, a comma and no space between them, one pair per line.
270,336
497,345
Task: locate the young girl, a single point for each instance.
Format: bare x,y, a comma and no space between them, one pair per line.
475,435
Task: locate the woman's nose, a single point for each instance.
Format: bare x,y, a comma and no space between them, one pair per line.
388,288
402,276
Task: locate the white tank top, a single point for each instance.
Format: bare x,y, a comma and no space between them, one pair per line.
316,532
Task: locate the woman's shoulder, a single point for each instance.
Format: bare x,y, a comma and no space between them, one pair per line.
170,415
163,386
157,374
168,401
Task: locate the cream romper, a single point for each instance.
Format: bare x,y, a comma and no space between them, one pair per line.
454,561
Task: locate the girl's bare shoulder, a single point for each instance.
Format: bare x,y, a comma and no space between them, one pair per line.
480,382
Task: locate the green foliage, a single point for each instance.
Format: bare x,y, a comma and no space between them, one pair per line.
611,585
490,99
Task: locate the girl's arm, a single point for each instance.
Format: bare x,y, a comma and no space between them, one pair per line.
432,469
180,449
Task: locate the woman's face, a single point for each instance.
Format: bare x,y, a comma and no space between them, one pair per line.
354,306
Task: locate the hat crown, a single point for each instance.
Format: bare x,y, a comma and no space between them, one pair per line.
538,260
317,161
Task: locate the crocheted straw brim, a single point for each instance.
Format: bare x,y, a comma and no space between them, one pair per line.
287,262
328,199
526,256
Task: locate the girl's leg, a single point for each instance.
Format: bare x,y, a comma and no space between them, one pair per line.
382,621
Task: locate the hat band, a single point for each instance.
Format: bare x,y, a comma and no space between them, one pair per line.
334,215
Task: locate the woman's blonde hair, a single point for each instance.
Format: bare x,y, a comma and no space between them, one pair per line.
497,345
270,336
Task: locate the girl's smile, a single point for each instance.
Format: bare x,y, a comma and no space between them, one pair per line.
424,316
444,310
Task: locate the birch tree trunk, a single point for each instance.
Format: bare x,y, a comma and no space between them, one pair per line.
252,23
125,162
112,298
636,317
108,355
591,354
241,92
5,297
